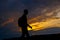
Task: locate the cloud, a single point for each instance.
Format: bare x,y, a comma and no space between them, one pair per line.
38,14
48,23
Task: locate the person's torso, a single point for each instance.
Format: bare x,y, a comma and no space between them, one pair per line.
22,22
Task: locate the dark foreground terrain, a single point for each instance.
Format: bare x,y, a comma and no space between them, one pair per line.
39,37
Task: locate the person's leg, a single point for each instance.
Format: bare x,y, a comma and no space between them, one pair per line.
23,32
26,32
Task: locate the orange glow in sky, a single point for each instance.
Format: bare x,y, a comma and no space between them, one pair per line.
46,24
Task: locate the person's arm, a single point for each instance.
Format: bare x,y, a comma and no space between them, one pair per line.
29,26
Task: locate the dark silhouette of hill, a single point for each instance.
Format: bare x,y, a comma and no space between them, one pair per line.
54,36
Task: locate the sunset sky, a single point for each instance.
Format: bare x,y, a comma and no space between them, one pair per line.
43,14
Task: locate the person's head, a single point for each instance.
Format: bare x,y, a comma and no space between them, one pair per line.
25,11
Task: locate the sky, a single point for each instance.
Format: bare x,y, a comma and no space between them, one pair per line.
43,14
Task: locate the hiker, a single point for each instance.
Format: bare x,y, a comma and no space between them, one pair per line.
22,22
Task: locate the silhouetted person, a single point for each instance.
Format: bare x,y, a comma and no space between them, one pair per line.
22,22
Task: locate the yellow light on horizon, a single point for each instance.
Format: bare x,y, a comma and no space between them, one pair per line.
43,25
